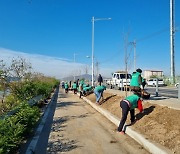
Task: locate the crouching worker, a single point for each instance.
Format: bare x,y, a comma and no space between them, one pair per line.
74,87
87,90
129,104
98,91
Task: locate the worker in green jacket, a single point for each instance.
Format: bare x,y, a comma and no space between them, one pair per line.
136,81
87,90
98,91
129,104
74,87
81,84
66,87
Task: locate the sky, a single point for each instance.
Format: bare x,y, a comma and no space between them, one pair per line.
55,36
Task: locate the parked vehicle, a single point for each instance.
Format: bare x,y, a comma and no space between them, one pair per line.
120,79
152,82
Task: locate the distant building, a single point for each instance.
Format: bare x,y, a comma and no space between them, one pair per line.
149,73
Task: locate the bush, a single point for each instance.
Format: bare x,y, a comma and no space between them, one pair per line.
14,128
29,89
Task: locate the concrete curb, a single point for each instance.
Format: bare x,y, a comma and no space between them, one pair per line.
153,148
33,144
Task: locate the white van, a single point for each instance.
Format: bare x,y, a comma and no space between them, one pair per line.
152,82
120,80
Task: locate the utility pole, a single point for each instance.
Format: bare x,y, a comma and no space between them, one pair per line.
172,33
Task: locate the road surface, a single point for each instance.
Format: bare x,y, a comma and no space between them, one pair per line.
171,92
164,91
79,129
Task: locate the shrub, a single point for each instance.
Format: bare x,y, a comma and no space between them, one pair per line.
14,128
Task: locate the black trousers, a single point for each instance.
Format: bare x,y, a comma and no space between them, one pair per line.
66,90
75,91
125,109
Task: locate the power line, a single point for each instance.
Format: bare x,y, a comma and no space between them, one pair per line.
152,35
138,40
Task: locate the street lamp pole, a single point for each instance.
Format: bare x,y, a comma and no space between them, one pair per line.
93,20
74,63
92,51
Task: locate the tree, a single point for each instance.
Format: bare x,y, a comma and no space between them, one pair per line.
20,68
3,78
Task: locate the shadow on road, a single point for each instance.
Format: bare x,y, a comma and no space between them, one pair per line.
66,104
58,146
59,143
61,95
157,98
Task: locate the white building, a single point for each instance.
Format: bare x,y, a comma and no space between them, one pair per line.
149,73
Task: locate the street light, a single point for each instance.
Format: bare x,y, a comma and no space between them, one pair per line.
93,20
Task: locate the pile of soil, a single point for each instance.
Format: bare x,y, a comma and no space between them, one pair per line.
156,123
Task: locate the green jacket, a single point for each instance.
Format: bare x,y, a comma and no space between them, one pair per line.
87,88
100,88
66,86
74,86
135,79
133,99
80,86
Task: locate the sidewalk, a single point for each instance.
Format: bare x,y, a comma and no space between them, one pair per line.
161,100
78,128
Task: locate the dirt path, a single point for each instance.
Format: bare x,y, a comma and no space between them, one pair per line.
78,128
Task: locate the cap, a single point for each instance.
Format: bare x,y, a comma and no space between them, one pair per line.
139,70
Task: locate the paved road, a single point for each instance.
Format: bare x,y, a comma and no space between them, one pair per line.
164,91
77,128
171,92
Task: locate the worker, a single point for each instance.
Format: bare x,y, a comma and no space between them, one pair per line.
136,81
129,104
81,84
66,87
98,91
100,79
77,83
143,83
87,90
74,87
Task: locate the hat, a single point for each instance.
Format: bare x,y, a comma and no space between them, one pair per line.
139,70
